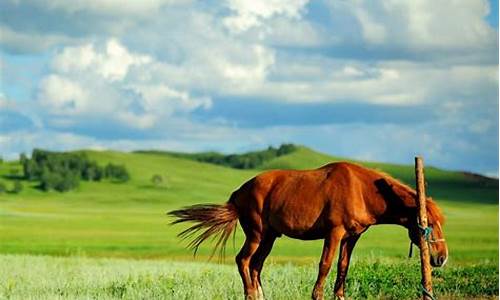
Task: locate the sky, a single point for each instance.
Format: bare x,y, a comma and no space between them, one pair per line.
370,80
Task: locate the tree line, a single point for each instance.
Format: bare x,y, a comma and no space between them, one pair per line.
63,171
249,160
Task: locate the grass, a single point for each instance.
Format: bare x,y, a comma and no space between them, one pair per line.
25,277
128,221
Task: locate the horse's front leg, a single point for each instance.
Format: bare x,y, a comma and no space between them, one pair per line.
329,247
346,247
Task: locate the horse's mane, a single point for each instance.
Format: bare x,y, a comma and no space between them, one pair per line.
434,213
409,195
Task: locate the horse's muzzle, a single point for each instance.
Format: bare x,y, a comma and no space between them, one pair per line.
438,260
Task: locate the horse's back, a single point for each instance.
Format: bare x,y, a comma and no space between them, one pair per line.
298,203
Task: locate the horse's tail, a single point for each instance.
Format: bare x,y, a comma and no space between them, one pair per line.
210,220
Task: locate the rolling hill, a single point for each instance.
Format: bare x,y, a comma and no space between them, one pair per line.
443,184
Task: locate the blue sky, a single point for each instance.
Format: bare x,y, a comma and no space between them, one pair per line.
372,80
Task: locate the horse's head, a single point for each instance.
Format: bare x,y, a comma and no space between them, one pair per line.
435,235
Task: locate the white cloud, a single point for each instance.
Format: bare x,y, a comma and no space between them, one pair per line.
117,60
62,96
422,25
386,82
79,58
163,99
112,64
221,68
140,121
239,69
107,81
283,32
251,13
352,71
250,74
374,31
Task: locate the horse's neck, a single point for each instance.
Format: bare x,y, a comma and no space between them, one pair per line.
399,204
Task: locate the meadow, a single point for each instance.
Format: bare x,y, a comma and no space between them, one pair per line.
45,277
112,240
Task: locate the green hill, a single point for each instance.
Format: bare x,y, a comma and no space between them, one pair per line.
450,185
128,219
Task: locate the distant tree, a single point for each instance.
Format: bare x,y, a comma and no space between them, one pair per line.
92,172
3,188
32,170
88,174
18,187
286,149
22,158
157,179
49,181
62,171
116,172
60,182
67,182
121,174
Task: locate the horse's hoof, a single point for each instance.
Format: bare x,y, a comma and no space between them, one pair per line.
261,293
317,296
253,296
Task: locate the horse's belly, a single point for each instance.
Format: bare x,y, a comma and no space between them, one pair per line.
298,226
306,235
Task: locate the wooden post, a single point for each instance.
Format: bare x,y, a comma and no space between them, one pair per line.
422,219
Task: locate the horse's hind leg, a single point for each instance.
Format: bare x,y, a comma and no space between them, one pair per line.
243,261
257,262
346,247
330,245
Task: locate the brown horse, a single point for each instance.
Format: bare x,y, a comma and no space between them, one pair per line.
337,203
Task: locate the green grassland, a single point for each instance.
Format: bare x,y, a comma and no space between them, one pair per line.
127,220
43,277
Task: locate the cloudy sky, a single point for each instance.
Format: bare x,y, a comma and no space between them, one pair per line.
372,80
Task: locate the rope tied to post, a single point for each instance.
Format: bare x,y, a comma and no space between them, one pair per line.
426,232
